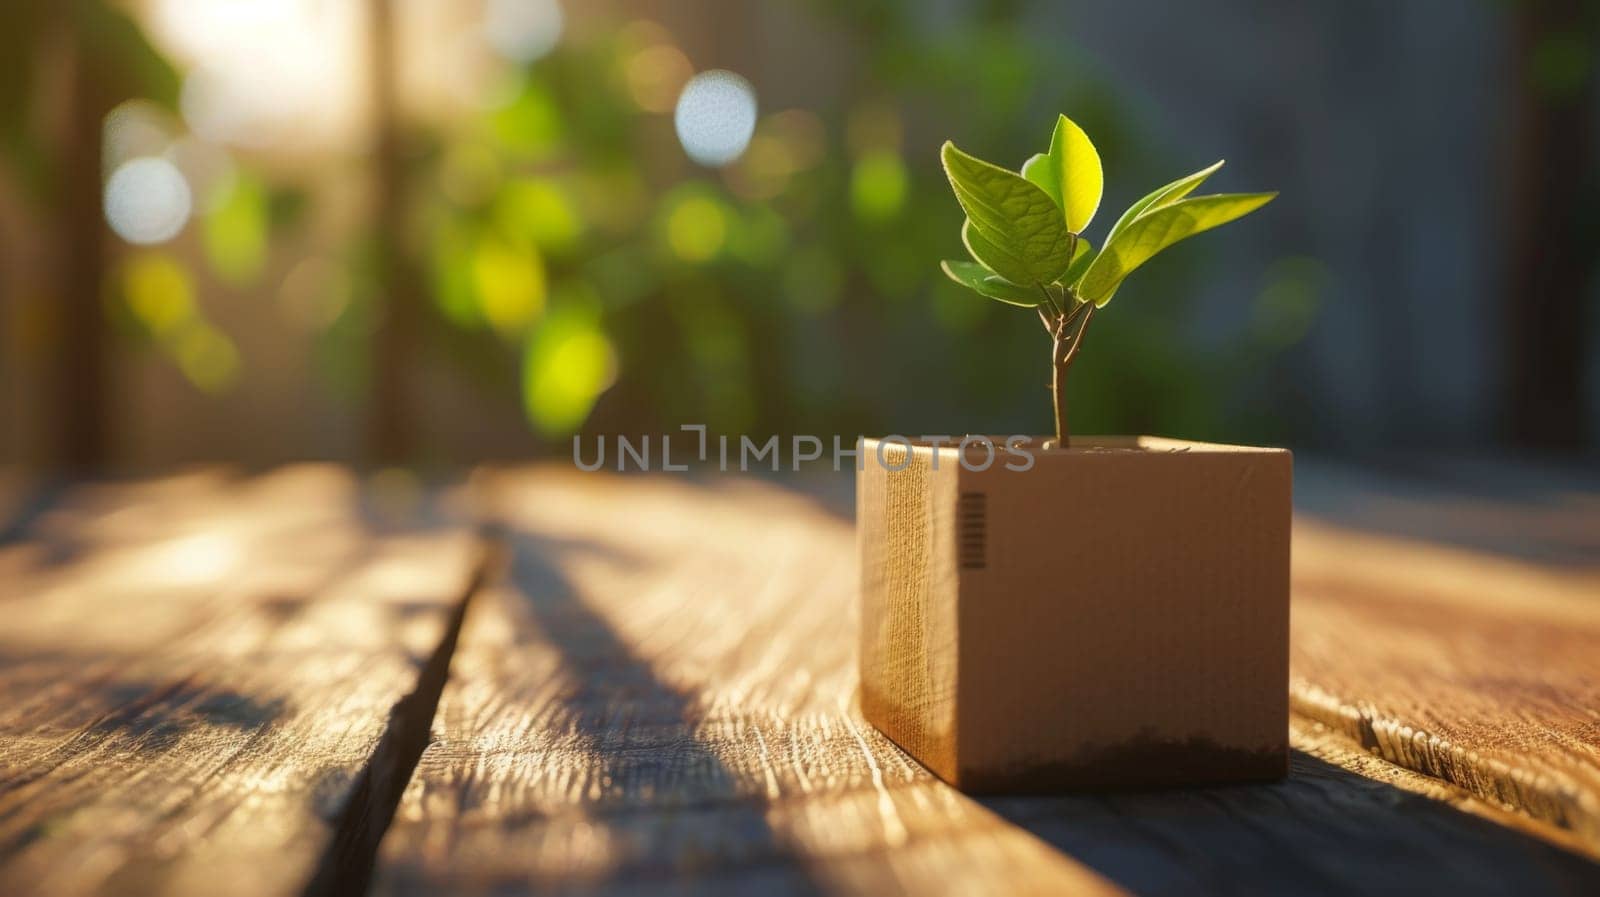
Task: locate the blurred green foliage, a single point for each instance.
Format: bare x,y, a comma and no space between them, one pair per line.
793,290
578,264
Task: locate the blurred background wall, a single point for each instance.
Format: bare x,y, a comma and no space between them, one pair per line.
439,231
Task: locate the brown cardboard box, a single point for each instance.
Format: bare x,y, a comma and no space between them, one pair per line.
1117,615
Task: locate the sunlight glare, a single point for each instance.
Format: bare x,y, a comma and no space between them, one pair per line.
197,558
282,73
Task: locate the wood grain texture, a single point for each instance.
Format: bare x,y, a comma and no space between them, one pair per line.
663,697
193,673
1480,671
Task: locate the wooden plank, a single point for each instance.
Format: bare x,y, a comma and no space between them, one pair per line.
1343,822
1481,671
663,697
195,672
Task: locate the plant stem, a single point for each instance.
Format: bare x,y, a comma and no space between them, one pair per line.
1063,351
1047,319
1058,392
1049,301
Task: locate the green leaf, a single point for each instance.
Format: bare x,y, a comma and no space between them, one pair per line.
1161,196
1070,173
995,257
977,278
1011,213
1037,170
1081,258
1156,230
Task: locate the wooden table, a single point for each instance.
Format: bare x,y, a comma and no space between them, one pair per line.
216,683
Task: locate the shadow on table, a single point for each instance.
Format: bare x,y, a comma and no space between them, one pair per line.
115,716
683,816
1323,830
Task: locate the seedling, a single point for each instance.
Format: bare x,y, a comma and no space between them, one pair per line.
1025,234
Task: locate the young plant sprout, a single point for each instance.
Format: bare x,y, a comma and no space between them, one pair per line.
1025,234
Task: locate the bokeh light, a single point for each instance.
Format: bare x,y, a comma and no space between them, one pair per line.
656,75
147,200
539,209
234,230
879,185
511,284
696,229
315,293
158,291
785,144
133,129
522,30
531,124
566,366
207,357
208,168
715,117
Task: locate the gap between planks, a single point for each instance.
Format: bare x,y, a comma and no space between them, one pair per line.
625,730
349,860
1333,744
346,865
1474,670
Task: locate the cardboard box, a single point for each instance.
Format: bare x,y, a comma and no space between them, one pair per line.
1115,615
